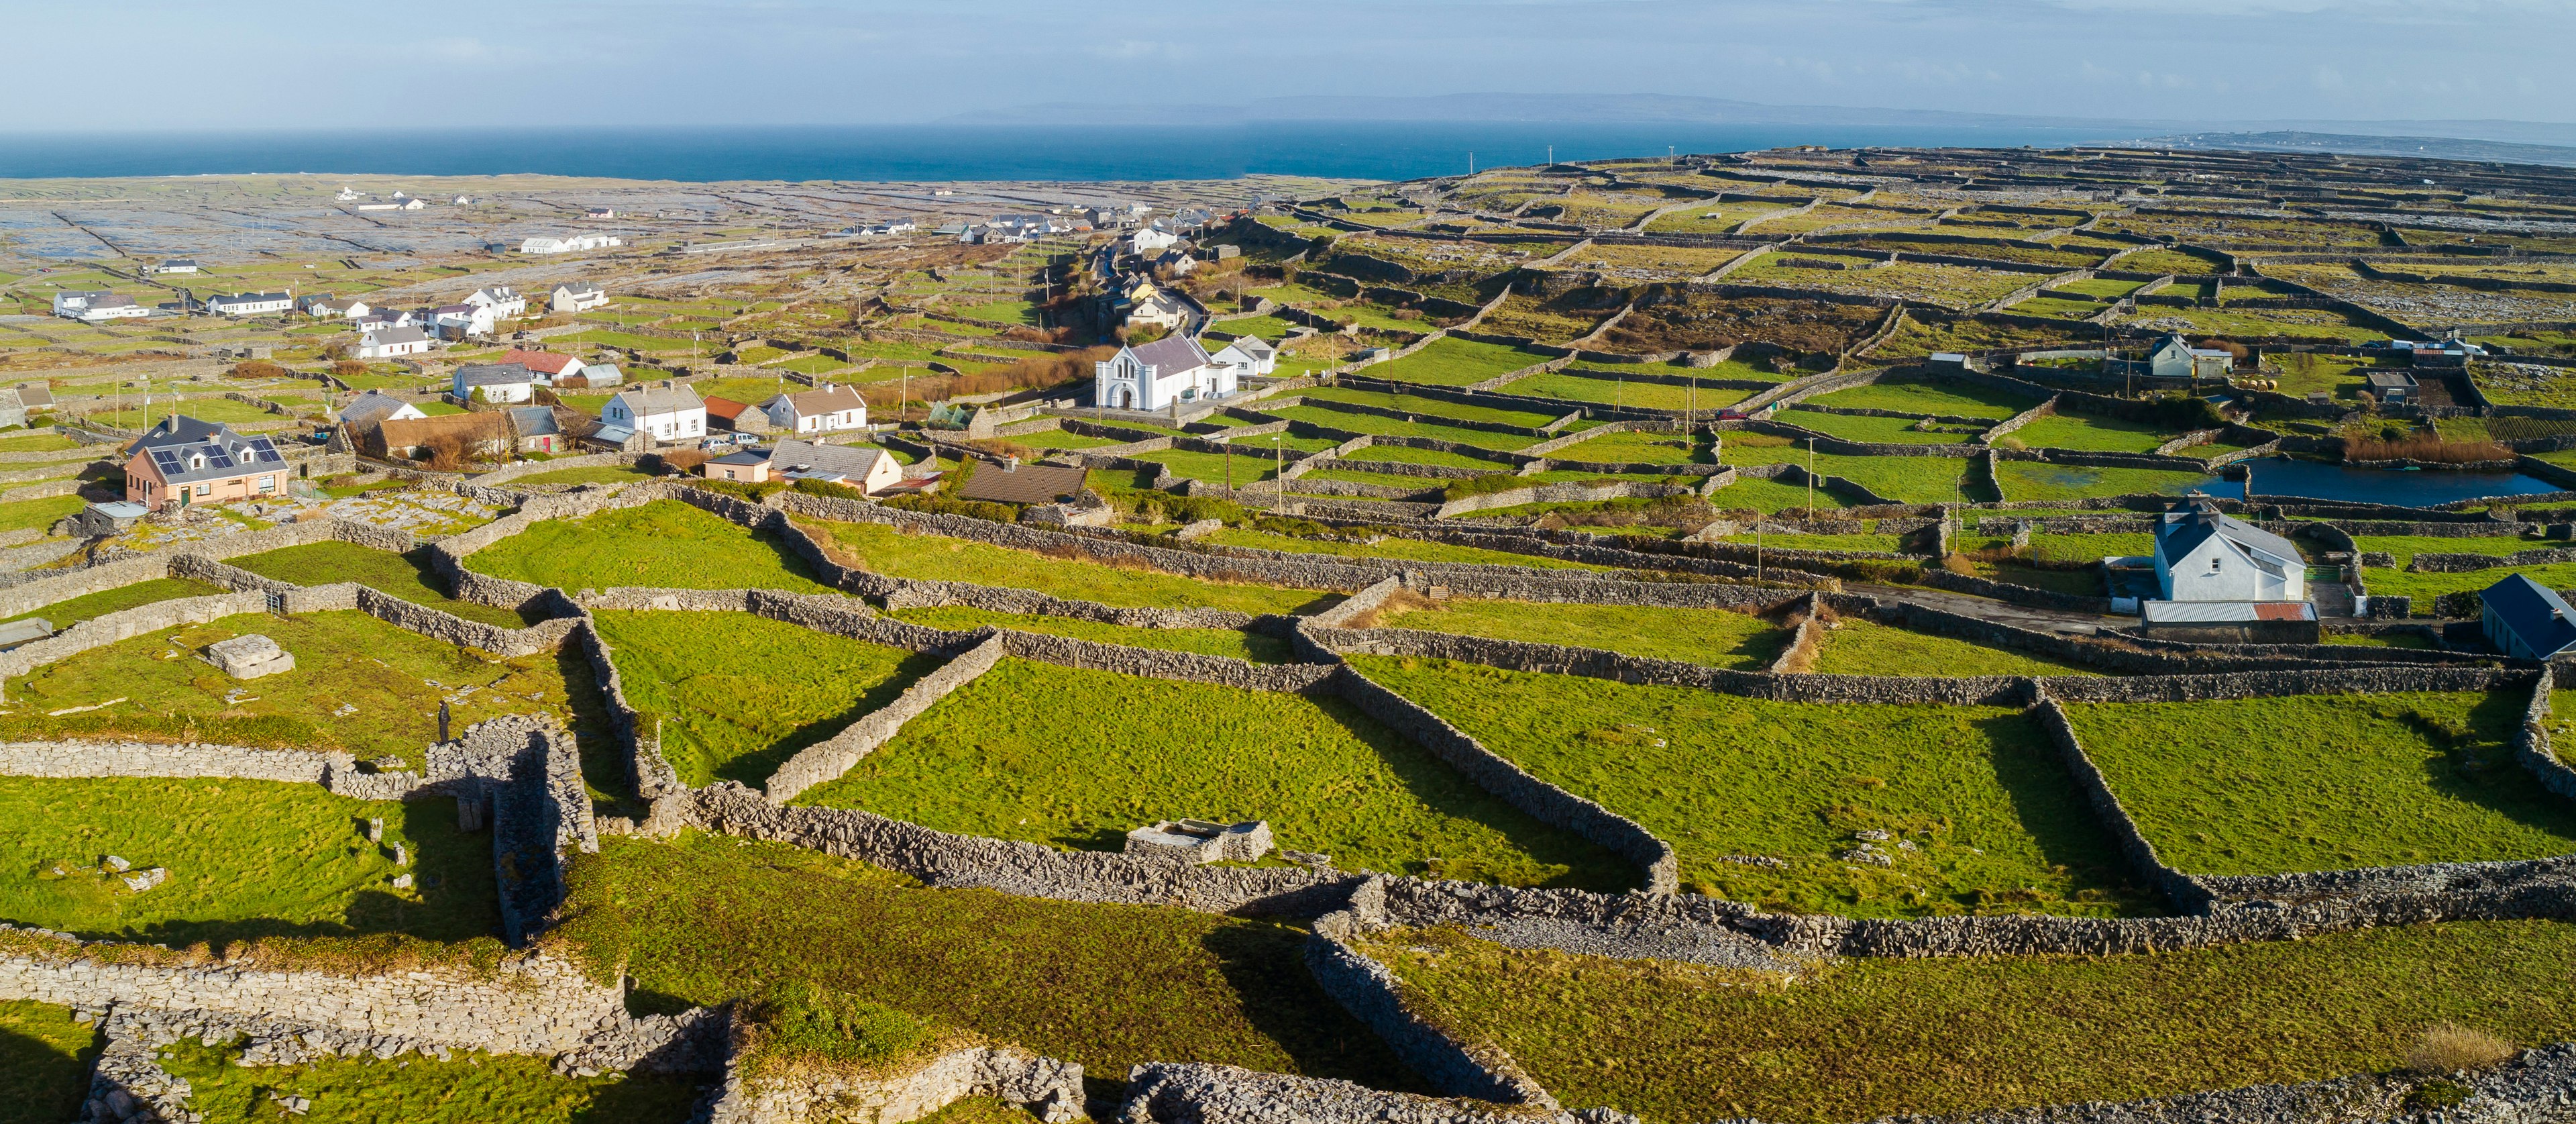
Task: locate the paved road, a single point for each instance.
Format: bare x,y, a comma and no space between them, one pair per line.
2000,612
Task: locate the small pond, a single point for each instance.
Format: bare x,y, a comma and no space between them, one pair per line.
2281,476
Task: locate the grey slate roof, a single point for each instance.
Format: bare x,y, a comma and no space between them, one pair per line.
2533,612
647,401
370,408
1171,355
534,421
403,334
2187,526
808,403
186,450
493,374
801,457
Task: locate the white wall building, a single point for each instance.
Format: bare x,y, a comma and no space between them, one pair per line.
498,383
826,410
90,307
392,342
665,413
573,296
1152,376
2202,555
1247,355
504,301
251,304
571,244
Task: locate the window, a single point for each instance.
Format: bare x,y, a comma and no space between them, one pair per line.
2213,565
205,489
268,483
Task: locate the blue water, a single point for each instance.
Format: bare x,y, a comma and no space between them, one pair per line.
2281,476
1365,150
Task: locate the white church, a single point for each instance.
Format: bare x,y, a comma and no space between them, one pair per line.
1154,376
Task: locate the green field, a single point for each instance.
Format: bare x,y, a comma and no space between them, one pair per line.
1214,468
1716,637
1983,815
998,759
1396,547
1396,427
735,695
1449,361
886,550
1869,1037
1885,431
40,514
1636,448
663,544
2406,547
64,614
1431,407
1903,479
589,474
2039,480
1609,390
1771,497
244,859
44,1062
2090,434
703,919
1856,647
1958,400
2425,587
2430,773
1226,642
406,576
348,665
469,1089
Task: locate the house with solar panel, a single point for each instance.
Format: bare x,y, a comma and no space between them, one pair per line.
183,461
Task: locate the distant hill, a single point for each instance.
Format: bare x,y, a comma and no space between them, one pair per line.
2440,148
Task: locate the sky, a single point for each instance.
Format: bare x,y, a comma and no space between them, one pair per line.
260,64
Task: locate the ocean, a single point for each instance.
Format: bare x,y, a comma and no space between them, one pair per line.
1362,150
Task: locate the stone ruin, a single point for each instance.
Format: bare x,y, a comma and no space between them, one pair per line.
249,657
1201,841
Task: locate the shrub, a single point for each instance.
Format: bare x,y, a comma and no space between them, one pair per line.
795,1021
2423,446
936,504
826,489
743,488
2461,604
348,368
679,462
258,369
2451,1048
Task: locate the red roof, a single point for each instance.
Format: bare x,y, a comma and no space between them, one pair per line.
2280,610
546,361
725,408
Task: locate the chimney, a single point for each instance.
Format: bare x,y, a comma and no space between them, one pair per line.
1011,465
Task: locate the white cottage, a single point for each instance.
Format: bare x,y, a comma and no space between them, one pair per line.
1247,355
2202,555
2174,358
664,412
1154,375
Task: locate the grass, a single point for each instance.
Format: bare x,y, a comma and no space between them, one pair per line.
64,614
997,759
1636,448
664,543
1214,468
1992,818
2270,786
1772,496
2406,547
734,695
1885,543
44,1062
2425,587
1877,430
1396,427
1863,648
40,514
359,685
1406,455
1413,550
406,576
1233,643
37,443
245,859
2038,480
2090,434
886,550
1903,479
1715,637
704,919
589,474
1870,1037
1929,398
469,1089
1612,391
1449,361
1441,409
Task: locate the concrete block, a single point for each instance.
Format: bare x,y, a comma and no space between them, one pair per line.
249,657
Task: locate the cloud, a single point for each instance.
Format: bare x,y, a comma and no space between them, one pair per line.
461,50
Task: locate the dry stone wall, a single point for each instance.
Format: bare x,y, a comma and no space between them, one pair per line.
1049,1089
1366,989
825,761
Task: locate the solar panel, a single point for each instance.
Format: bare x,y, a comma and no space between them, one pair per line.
168,461
264,450
215,458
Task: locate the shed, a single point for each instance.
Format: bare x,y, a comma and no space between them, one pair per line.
2525,619
1013,482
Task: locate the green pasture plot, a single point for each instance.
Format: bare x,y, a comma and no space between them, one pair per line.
609,338
2302,373
1903,479
243,859
2288,323
1263,443
1005,311
1991,815
1609,390
2432,774
1270,328
1953,399
1872,1037
811,364
887,550
1915,337
1431,407
2381,640
359,685
213,408
1876,430
1386,479
735,695
1405,454
705,919
2091,547
1884,543
1450,361
1060,439
1232,643
1715,637
1392,427
757,354
1633,447
1732,370
2406,547
1292,294
64,614
2059,307
1214,468
37,443
406,576
1717,218
890,349
1381,318
1394,547
1772,497
2425,587
468,1089
45,1061
1856,647
2038,480
751,390
2090,434
2170,261
2101,287
991,760
664,543
589,474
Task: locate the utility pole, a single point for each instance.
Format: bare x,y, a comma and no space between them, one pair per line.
1757,544
1811,480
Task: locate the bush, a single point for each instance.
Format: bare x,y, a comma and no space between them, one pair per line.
827,489
743,488
348,368
798,1021
2424,446
2462,604
678,462
259,369
935,504
2452,1048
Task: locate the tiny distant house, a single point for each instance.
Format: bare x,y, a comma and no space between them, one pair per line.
571,244
663,412
546,366
503,301
1246,355
334,308
739,417
92,307
867,469
2394,388
251,304
457,321
2526,620
571,297
1155,308
2174,358
830,409
176,265
602,374
496,383
1153,376
183,461
2202,555
372,409
1013,482
535,430
391,343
